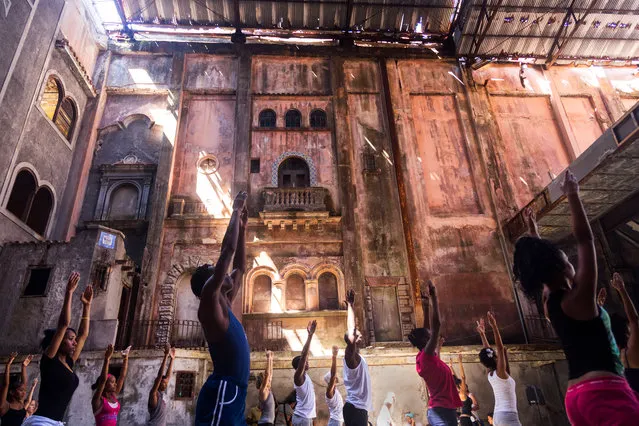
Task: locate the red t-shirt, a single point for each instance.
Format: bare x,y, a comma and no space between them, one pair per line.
439,381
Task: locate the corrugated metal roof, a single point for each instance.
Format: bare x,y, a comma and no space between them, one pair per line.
529,27
369,15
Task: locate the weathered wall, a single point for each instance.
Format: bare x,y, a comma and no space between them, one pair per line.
392,370
25,318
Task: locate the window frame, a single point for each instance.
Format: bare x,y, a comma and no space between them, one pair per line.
325,118
64,95
27,279
40,184
175,390
286,118
259,118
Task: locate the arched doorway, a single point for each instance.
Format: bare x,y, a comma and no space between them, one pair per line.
294,173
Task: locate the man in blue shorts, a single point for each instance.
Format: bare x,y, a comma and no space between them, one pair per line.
222,398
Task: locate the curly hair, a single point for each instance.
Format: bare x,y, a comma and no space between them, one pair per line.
536,261
488,358
48,337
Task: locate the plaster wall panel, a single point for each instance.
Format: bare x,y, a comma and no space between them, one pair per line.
207,129
146,72
218,73
76,27
533,148
628,103
17,14
449,186
583,120
119,107
290,76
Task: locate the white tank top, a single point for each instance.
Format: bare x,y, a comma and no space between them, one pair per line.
358,386
504,390
335,406
305,397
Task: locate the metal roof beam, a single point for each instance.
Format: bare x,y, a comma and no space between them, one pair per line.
349,14
490,17
559,44
547,9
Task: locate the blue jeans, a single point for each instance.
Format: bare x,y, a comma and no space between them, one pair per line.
439,416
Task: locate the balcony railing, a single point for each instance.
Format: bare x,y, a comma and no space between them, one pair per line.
295,199
264,335
184,334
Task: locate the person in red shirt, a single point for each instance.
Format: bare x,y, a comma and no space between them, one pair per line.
444,398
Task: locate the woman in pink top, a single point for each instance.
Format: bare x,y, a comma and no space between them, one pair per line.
444,398
106,406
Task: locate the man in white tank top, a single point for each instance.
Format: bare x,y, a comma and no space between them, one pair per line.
357,379
304,391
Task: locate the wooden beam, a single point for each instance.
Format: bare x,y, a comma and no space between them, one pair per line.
557,44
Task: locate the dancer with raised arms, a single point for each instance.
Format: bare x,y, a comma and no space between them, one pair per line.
13,407
105,404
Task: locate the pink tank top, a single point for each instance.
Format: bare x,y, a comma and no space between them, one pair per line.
108,414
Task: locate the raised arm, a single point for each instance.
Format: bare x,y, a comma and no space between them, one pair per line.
299,378
332,382
208,312
631,312
83,333
25,363
239,260
64,321
435,321
265,388
351,354
96,401
4,405
502,360
30,397
481,329
463,388
125,369
169,370
153,394
531,222
581,301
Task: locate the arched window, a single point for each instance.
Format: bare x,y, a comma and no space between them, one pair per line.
23,191
318,119
123,203
295,293
40,210
328,297
65,118
262,294
51,97
267,118
294,173
60,109
293,119
30,204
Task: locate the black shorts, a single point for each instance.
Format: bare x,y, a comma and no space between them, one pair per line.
354,416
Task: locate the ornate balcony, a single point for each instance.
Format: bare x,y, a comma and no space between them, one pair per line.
311,199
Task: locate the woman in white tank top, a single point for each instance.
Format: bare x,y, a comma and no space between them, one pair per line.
496,363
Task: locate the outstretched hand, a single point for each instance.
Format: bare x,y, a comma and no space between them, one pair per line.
311,327
27,360
125,353
172,353
335,350
570,184
108,353
87,296
12,357
240,201
491,319
244,217
601,296
481,326
617,282
350,298
530,217
72,282
167,349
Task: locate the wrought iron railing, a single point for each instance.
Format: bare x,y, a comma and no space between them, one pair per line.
295,199
152,334
265,335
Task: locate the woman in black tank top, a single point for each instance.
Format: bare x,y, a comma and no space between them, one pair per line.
597,393
626,332
13,394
